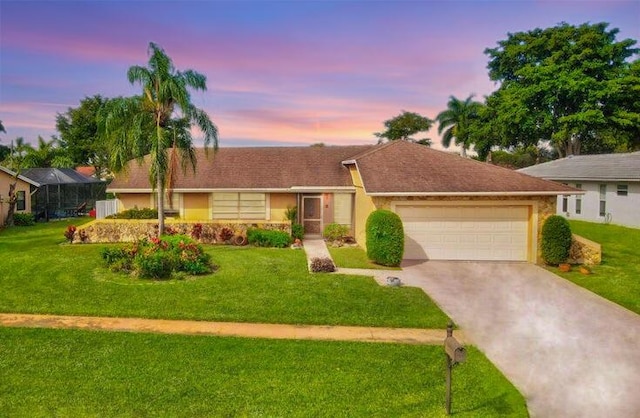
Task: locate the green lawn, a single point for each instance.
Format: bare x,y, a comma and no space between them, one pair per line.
40,273
618,277
354,258
82,373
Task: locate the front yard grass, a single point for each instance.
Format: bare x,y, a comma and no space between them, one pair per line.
39,273
82,373
618,277
355,258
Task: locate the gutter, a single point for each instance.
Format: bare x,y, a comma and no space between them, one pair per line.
293,189
547,193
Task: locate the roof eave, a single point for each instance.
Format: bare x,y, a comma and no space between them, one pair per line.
528,193
292,189
20,176
576,178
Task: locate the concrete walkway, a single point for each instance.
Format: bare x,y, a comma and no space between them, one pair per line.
231,329
315,247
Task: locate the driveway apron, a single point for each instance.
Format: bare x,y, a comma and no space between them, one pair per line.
570,352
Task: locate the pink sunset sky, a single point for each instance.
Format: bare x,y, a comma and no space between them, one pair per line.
278,73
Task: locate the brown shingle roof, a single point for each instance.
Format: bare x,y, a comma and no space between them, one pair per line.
255,168
406,168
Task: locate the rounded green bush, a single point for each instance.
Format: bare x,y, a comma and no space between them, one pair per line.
385,238
556,240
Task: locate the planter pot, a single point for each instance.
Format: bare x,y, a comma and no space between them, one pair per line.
564,267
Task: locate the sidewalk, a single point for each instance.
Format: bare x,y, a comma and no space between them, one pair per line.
231,329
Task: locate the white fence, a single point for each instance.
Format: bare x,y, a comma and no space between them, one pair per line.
105,208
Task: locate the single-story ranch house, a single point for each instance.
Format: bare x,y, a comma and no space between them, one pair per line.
611,183
453,208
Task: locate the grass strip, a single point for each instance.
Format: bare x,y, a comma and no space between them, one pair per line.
83,373
618,277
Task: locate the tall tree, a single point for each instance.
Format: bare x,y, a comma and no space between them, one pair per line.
569,85
80,136
15,163
404,127
165,98
455,122
4,150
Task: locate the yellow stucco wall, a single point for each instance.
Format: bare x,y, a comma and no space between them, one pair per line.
5,180
364,205
131,200
278,204
197,206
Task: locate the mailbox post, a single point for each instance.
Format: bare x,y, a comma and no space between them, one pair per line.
455,354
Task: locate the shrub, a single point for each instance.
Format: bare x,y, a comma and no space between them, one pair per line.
190,256
291,214
556,240
111,255
196,231
297,231
154,265
322,264
385,238
24,219
268,238
225,234
70,232
334,232
158,258
135,213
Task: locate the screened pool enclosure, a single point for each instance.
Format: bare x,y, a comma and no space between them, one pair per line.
63,192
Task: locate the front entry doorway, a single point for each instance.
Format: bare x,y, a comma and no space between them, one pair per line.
312,215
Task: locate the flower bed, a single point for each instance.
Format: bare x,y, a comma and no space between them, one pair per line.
208,232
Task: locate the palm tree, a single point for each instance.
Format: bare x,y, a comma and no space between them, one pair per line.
47,154
455,122
165,99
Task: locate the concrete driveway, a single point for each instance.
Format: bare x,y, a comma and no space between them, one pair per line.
570,352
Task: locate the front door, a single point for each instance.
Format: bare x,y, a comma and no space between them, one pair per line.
312,215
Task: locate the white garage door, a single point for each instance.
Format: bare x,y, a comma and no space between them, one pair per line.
465,232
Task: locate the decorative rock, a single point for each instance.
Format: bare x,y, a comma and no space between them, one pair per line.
394,281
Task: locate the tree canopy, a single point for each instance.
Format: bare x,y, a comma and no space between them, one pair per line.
404,127
80,136
570,85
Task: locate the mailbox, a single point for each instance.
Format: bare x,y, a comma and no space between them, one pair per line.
456,352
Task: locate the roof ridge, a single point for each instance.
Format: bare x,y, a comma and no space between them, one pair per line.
375,148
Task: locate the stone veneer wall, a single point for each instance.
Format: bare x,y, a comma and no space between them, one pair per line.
546,206
584,251
127,230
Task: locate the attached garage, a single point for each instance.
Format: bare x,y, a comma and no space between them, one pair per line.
450,232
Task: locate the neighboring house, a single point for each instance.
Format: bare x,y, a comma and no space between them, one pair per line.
23,187
611,184
63,192
453,208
